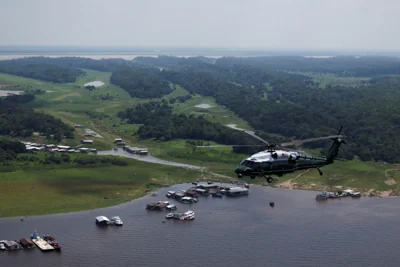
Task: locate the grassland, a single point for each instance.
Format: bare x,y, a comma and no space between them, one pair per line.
75,188
45,189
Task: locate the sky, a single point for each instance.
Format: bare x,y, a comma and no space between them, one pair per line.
260,24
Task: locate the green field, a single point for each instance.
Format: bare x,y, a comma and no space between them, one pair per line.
75,188
45,189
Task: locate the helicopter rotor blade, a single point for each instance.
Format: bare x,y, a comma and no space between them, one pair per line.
299,142
227,146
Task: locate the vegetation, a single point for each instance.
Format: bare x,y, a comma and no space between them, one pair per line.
18,120
73,186
31,68
140,83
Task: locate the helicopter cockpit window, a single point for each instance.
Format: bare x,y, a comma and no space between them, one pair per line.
274,155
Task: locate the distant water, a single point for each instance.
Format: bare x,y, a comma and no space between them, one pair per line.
95,83
7,93
242,231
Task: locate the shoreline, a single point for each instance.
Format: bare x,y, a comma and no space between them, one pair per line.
148,194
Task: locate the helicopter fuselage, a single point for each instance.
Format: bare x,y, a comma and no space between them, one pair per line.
276,162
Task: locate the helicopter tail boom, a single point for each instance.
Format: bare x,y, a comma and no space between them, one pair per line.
334,149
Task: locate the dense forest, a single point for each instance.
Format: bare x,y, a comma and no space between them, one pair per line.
16,119
31,68
10,149
141,83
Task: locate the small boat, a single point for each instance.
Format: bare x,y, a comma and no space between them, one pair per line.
2,247
322,196
11,245
170,194
52,241
216,194
356,194
272,204
188,215
116,220
176,216
171,207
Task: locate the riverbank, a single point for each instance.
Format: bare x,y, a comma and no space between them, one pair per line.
59,188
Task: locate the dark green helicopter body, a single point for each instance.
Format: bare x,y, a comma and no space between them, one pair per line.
279,162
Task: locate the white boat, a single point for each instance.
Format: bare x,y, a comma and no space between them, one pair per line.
171,207
356,194
188,215
116,220
2,247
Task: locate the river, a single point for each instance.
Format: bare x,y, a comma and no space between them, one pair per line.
243,231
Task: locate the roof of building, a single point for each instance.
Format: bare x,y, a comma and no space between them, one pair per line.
238,189
102,218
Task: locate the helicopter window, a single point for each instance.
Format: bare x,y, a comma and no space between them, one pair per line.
274,155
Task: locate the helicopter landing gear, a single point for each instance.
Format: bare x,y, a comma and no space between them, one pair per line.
320,172
269,179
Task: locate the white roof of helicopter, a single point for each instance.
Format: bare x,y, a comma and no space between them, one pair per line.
267,155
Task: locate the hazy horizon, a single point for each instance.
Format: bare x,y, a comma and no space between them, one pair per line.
303,25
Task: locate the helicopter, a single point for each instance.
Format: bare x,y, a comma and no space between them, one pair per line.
278,160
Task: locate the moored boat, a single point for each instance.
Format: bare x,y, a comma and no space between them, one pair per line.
116,220
356,194
41,243
26,243
188,215
322,196
50,239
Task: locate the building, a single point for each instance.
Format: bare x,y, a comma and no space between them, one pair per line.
102,220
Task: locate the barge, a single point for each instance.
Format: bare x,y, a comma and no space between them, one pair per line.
41,243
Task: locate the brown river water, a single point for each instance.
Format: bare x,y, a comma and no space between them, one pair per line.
241,231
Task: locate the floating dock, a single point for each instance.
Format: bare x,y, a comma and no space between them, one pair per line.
42,244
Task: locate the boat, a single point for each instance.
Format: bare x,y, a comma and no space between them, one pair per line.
116,220
188,215
2,247
356,194
322,196
171,207
10,245
237,191
170,193
26,243
41,243
102,220
216,194
188,200
52,241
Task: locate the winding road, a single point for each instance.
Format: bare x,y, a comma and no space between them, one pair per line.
148,158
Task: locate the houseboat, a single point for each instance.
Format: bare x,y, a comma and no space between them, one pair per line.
188,215
237,191
322,196
188,200
171,207
170,194
102,221
11,245
156,206
116,220
26,243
